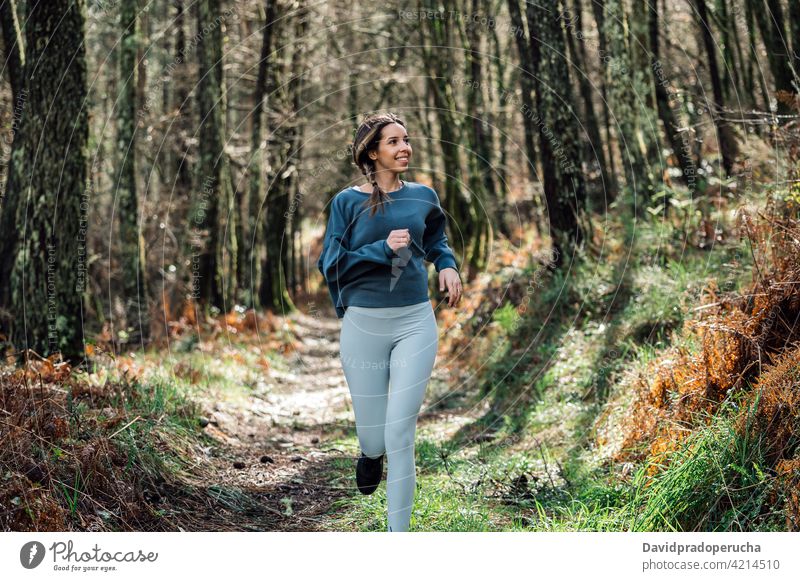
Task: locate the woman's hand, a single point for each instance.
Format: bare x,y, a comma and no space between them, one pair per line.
399,239
448,277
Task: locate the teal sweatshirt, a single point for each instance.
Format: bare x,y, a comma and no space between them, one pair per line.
360,267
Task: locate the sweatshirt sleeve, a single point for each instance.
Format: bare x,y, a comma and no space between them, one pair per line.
339,262
434,241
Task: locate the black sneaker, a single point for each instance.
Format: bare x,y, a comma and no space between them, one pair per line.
369,472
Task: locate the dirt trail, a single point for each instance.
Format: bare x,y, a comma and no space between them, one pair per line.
268,468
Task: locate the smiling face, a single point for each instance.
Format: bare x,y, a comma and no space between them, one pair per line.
394,150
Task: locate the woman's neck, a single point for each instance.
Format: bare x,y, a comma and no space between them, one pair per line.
391,185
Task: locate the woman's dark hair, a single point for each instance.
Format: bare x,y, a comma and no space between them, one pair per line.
367,139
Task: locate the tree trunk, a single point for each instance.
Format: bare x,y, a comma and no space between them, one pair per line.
730,74
133,286
252,273
181,95
274,290
435,32
49,273
598,8
526,84
11,193
794,31
479,160
230,223
295,140
745,74
14,47
751,37
645,89
178,169
213,207
622,96
500,123
559,131
594,146
666,100
725,135
769,16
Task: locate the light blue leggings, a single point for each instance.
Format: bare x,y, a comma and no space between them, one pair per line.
379,345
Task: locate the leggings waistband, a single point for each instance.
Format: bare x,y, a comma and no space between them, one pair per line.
390,312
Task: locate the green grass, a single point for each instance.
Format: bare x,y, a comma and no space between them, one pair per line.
717,480
481,488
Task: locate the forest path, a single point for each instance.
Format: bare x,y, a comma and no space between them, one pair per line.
270,466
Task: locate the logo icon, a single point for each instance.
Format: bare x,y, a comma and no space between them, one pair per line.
398,265
31,555
404,257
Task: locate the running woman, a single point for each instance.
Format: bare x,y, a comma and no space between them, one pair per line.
373,260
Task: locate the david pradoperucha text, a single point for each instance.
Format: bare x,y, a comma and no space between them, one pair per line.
680,548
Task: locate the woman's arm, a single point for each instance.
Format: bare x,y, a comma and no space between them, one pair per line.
434,241
337,261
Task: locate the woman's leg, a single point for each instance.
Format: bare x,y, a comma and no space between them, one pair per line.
412,360
365,345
